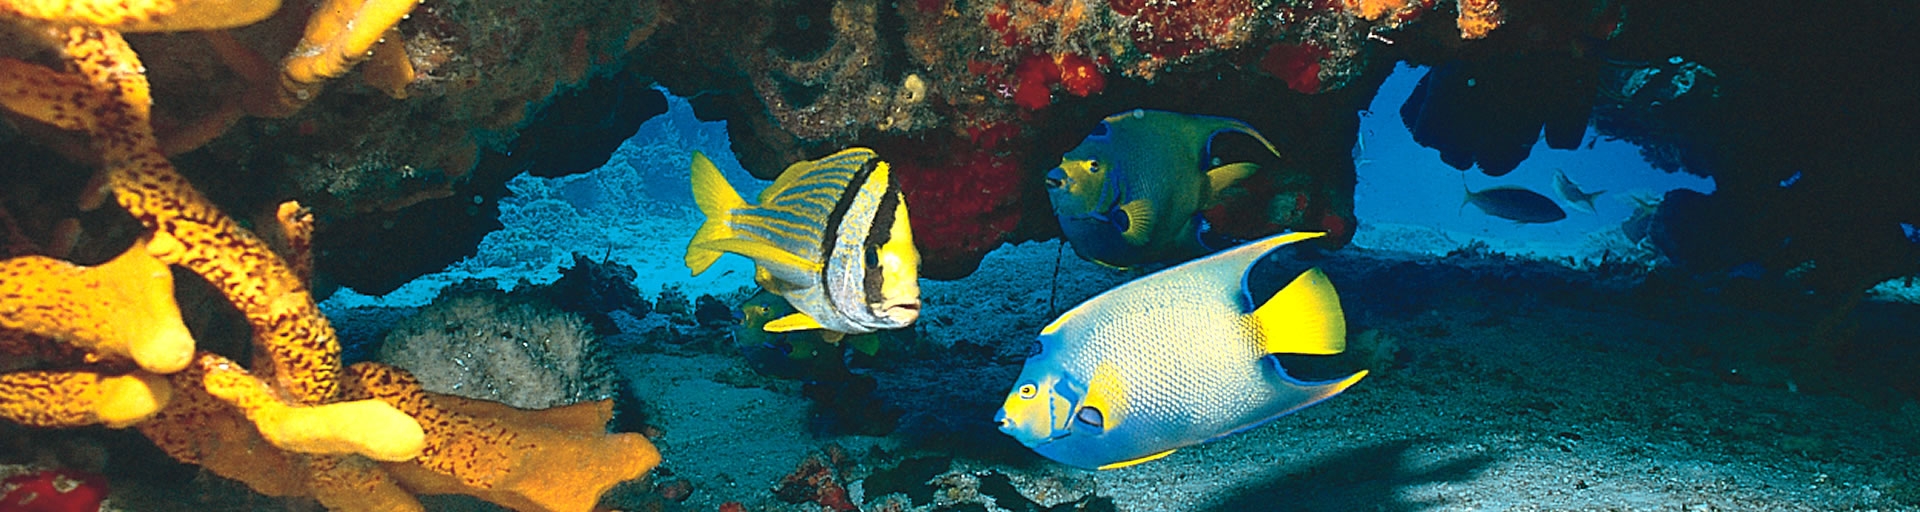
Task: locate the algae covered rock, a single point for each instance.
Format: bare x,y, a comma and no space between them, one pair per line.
489,345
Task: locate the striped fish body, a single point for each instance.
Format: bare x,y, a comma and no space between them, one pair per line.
830,235
1171,360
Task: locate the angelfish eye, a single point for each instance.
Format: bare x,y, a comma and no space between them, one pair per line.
1093,167
1028,391
873,257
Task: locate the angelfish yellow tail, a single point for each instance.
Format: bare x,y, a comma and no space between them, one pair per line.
1303,318
717,200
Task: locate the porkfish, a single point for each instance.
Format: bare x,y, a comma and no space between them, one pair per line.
1173,359
829,235
1132,191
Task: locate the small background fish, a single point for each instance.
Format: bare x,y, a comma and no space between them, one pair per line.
1516,204
1571,193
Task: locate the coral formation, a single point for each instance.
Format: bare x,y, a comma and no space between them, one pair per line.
295,424
491,346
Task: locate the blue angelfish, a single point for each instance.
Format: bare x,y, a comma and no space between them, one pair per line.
1132,191
1174,359
829,235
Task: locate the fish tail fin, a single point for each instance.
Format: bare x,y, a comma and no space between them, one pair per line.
717,200
1466,195
1303,318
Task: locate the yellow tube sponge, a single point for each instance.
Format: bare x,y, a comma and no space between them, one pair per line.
198,428
142,15
72,399
340,33
369,428
113,102
560,459
121,309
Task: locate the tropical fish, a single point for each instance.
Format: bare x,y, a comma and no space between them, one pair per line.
1131,192
1516,204
1173,359
829,235
1571,193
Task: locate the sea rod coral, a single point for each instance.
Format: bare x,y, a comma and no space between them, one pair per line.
296,422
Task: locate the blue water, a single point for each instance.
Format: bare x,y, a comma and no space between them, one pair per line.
1403,184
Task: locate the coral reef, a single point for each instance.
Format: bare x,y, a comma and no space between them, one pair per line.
296,423
971,100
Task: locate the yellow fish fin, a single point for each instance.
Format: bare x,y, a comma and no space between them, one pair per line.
793,322
717,201
1125,463
1106,393
1303,318
1139,221
1226,175
1242,127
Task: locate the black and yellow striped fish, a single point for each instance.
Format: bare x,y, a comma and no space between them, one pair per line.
829,235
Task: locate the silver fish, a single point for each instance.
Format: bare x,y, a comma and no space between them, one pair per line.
1571,193
1516,204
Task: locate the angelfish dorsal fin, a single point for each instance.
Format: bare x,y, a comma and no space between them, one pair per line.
1303,318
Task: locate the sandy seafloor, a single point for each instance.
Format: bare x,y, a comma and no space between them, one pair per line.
1501,399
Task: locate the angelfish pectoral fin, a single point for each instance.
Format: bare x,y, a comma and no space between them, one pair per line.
793,322
1125,463
1139,221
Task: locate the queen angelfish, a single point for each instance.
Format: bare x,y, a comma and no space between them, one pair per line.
1132,191
1173,359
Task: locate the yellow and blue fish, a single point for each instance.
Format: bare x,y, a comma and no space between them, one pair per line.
1174,359
1132,191
829,235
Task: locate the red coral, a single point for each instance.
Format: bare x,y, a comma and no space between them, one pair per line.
1036,75
732,506
1080,76
59,490
1176,29
964,191
1297,64
1033,82
815,480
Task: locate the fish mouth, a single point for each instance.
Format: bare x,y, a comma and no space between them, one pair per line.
903,312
